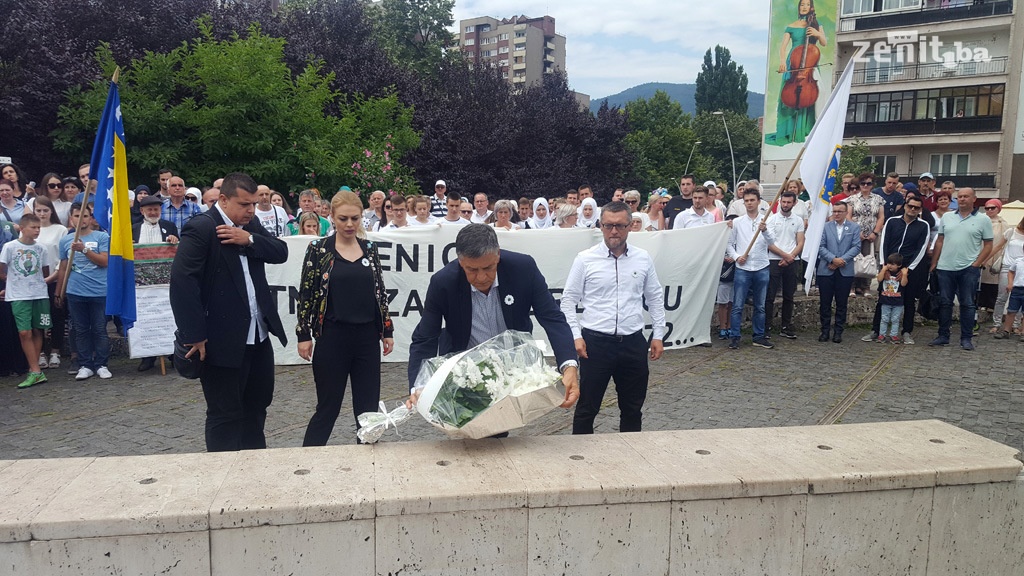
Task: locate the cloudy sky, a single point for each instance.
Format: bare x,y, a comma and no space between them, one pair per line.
612,45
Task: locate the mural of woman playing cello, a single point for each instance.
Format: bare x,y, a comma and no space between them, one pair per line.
799,55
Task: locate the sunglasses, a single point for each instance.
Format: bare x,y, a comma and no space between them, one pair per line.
631,201
467,211
991,207
867,183
909,207
52,185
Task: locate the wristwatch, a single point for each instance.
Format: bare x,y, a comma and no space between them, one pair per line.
86,249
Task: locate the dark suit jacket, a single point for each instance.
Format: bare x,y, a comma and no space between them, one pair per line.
208,295
167,228
832,247
448,299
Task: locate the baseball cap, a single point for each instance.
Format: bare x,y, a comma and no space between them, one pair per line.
440,183
926,176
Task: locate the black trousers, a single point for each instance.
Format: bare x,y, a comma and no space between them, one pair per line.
783,277
343,351
836,287
237,399
625,360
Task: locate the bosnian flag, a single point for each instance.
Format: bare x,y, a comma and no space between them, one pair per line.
819,168
109,167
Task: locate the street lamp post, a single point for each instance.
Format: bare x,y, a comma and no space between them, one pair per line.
721,114
749,162
687,169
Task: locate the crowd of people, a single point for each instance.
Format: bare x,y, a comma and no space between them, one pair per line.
914,240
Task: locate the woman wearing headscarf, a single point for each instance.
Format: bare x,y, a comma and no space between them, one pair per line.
541,215
588,214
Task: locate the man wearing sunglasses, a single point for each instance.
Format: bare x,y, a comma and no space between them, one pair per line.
612,280
907,234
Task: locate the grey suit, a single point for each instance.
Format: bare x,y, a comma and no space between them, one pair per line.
834,285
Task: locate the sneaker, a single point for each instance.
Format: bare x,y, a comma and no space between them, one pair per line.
880,339
907,338
788,333
103,373
73,367
1001,335
940,341
895,339
723,334
54,360
734,344
966,344
870,337
42,361
84,373
32,379
763,343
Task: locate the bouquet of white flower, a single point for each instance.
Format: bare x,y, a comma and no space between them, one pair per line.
502,384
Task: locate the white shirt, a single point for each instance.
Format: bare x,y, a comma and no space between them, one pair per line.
25,263
274,221
478,219
612,291
430,222
392,226
150,233
839,229
690,219
447,222
255,320
743,229
736,207
785,230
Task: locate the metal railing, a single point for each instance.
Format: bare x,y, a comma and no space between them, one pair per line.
926,71
929,12
926,126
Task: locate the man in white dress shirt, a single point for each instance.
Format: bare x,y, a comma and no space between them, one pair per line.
696,215
480,212
751,267
788,229
612,280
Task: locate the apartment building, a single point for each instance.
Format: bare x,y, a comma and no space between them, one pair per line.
937,87
524,49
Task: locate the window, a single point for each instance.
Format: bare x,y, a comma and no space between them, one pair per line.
470,42
504,75
520,34
491,40
503,62
883,164
851,7
503,50
469,29
955,164
484,28
932,104
488,53
503,36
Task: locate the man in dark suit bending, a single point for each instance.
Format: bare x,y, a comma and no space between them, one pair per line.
225,312
483,293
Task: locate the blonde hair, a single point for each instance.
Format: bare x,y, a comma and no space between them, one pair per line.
309,217
346,198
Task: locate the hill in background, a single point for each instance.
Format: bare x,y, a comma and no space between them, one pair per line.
682,93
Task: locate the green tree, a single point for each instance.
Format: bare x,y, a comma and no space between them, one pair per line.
854,158
660,138
210,107
721,85
415,33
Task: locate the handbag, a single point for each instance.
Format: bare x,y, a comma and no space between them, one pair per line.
728,272
865,265
190,368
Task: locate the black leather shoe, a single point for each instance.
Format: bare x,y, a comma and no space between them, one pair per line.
823,337
838,338
146,364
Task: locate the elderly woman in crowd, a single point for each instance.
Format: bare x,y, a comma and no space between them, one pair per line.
343,305
565,216
1013,250
503,210
867,209
988,293
375,213
541,215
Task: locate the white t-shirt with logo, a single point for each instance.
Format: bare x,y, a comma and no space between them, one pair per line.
25,264
275,221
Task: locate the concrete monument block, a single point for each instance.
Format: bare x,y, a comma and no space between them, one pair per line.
862,533
180,554
611,539
738,536
585,471
15,558
977,529
445,476
296,550
28,486
473,543
289,486
124,496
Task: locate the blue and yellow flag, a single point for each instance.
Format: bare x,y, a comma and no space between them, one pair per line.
109,167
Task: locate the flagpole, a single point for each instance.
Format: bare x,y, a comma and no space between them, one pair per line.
81,213
778,195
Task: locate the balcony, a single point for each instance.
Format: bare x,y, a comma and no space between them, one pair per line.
519,66
928,13
927,126
549,45
926,71
550,58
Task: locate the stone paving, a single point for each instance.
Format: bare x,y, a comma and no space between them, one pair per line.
795,384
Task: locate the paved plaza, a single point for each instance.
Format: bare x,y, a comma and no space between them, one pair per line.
801,382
